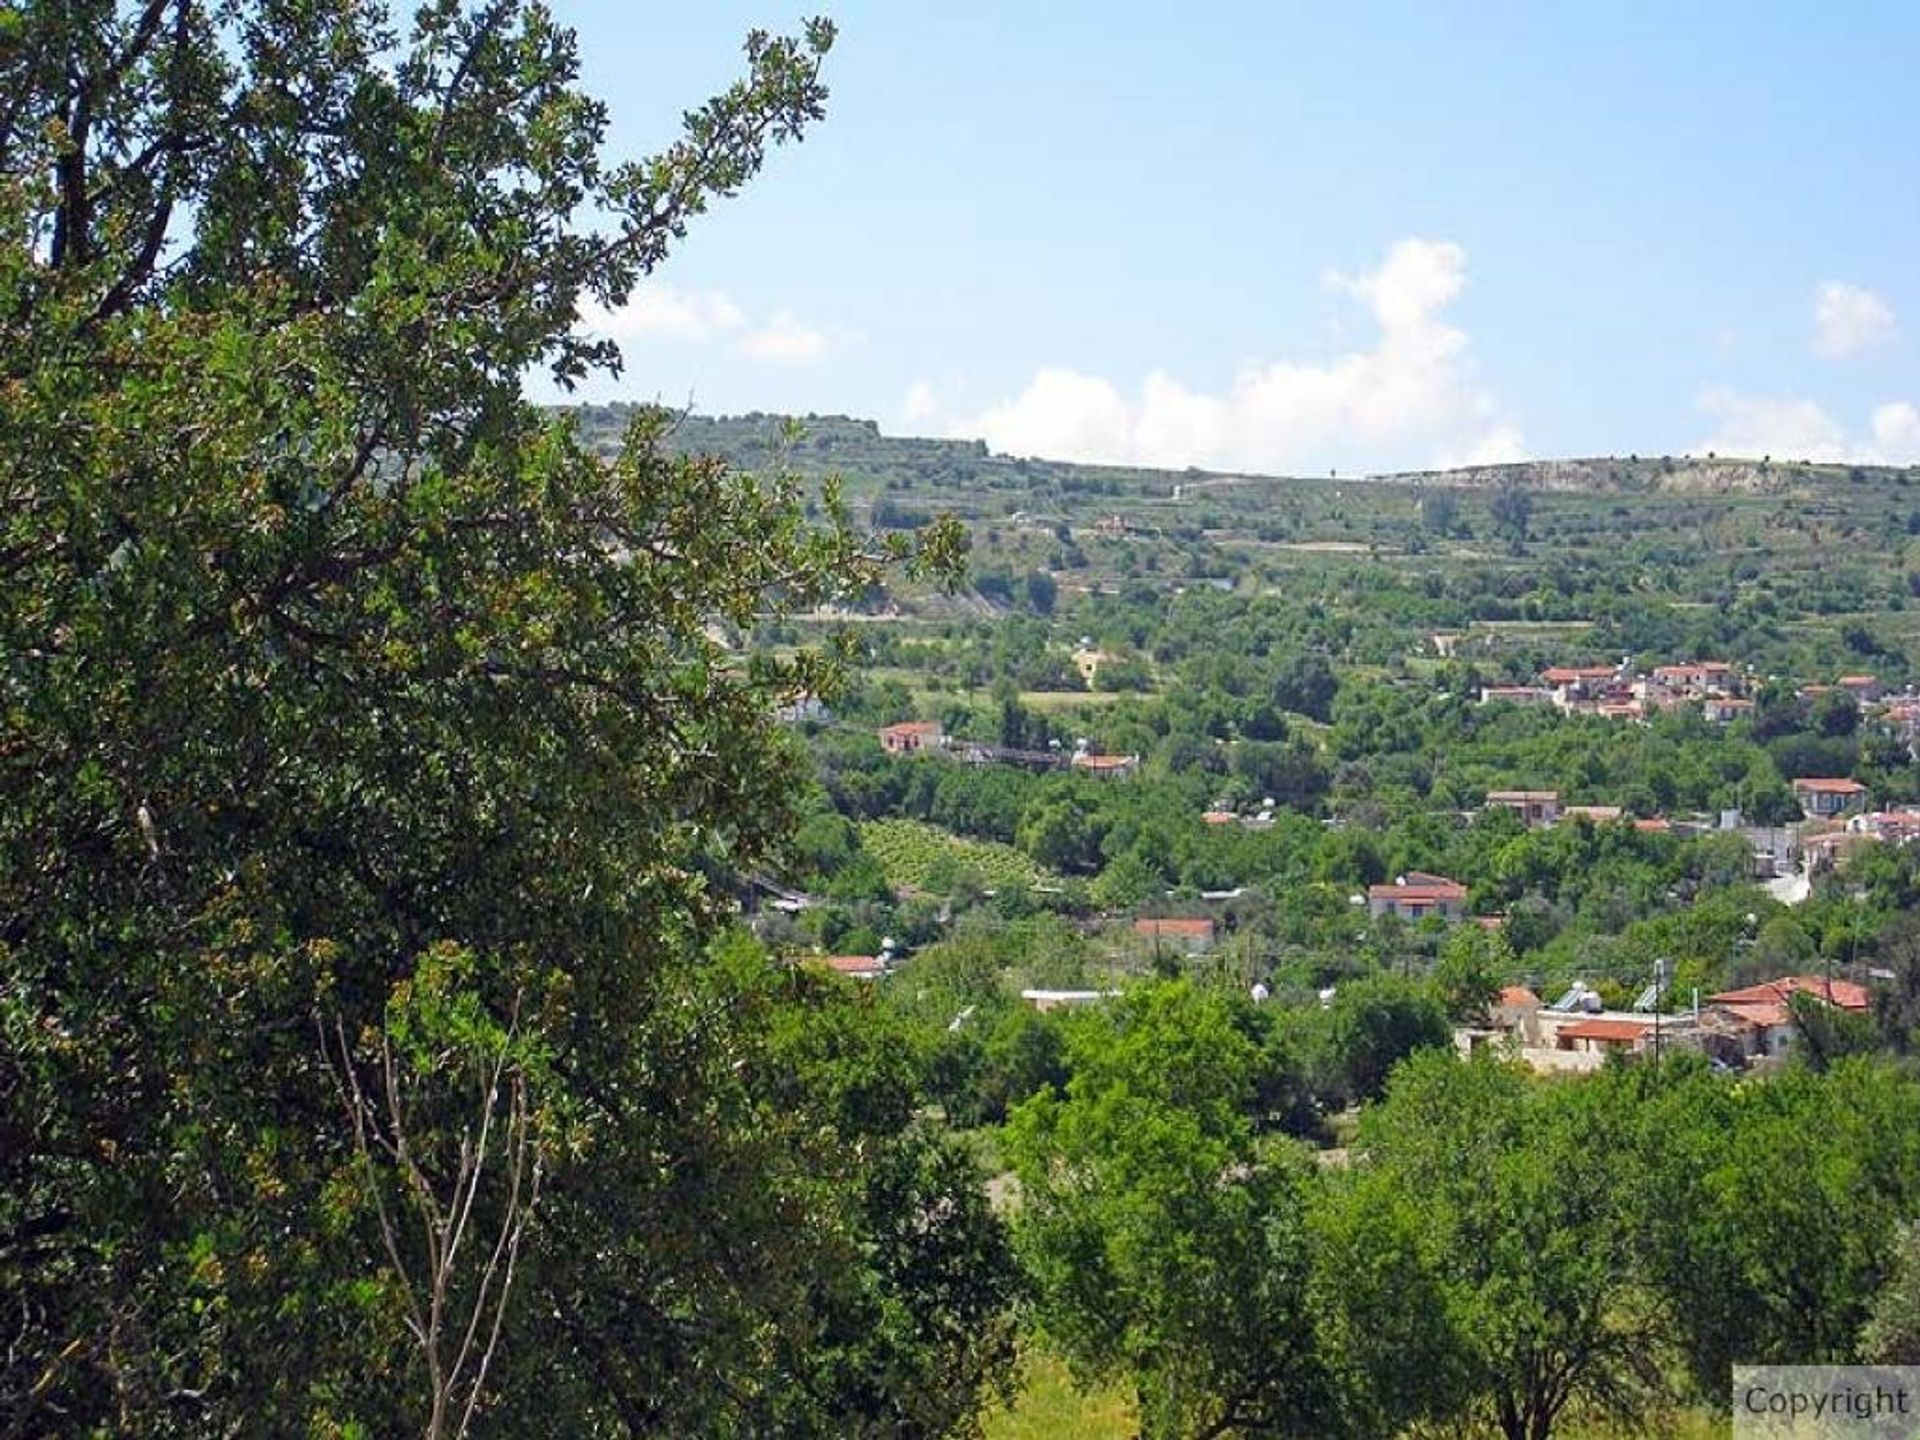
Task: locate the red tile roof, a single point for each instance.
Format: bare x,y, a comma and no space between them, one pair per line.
1518,995
1846,994
1818,786
1761,1017
912,727
1418,885
860,967
1620,1030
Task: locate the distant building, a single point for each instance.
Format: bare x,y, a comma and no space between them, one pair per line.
1191,935
1045,1000
1698,678
1864,688
1534,807
1107,767
1418,896
1516,695
1764,1015
912,736
1822,798
854,967
1723,709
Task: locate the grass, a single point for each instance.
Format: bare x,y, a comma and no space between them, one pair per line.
1051,1407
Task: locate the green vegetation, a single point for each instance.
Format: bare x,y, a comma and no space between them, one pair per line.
405,878
376,1059
918,856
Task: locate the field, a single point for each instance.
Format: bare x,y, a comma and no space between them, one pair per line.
918,856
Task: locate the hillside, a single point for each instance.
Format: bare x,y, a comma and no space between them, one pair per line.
858,450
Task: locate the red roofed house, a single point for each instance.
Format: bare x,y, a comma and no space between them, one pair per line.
855,967
1764,1009
1193,935
1107,767
1864,688
1824,798
911,736
1419,896
1599,1035
1516,1012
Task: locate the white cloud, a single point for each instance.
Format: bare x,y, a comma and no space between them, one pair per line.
1793,428
920,403
1408,400
659,312
1848,320
784,340
662,312
1896,431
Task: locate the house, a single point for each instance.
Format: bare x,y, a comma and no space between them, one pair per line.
1191,935
803,708
854,967
1698,678
1724,709
912,736
1824,798
1763,1012
1515,1011
1220,817
1534,807
1579,677
1864,688
1516,694
1605,1034
1419,896
1107,767
1822,853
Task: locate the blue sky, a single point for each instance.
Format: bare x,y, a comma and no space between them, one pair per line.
1294,238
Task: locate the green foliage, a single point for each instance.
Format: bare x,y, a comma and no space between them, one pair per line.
367,763
1164,1247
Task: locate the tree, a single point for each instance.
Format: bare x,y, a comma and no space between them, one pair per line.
1511,509
1519,1243
1165,1247
1891,1335
327,660
1439,511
